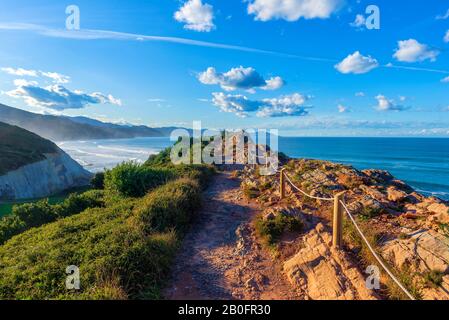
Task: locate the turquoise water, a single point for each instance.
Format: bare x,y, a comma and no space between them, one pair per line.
422,163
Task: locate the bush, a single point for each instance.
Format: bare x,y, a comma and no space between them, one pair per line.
170,207
97,181
130,179
30,215
122,251
271,230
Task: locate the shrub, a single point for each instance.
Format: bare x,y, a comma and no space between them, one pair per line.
97,181
170,207
122,251
130,179
271,230
30,215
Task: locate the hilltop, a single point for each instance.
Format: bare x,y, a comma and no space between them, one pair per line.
62,128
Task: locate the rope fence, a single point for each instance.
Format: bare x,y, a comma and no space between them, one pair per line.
373,252
339,207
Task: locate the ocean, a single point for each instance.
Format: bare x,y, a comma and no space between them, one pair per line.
421,162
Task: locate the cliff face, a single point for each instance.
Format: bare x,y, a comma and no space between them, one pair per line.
56,173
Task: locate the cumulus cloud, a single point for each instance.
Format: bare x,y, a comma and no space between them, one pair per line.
413,51
57,97
239,78
292,10
284,106
446,37
196,16
445,80
360,94
357,63
385,104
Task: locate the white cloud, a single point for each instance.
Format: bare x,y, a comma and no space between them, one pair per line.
20,72
284,106
357,64
360,94
57,97
359,21
385,104
445,80
196,16
54,76
238,104
412,51
443,16
342,109
239,78
446,37
292,10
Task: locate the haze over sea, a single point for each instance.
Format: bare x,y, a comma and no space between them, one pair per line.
421,162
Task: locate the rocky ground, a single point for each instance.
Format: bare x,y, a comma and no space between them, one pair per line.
410,231
224,257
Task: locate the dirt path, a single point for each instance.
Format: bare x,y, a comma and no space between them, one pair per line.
220,257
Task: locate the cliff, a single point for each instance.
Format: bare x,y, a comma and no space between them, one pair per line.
32,167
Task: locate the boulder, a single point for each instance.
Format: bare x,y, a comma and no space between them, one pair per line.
395,194
423,250
325,274
440,211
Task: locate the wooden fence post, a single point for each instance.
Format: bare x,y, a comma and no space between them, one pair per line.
338,221
282,184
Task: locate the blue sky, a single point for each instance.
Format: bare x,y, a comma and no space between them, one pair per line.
305,69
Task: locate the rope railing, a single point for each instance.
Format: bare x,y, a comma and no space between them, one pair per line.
373,252
303,192
339,206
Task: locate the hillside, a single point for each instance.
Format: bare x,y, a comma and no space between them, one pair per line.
33,167
61,128
19,147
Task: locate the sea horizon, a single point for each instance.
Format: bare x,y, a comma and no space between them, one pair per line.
424,166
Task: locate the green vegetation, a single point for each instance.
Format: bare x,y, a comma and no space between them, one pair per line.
122,238
19,147
434,278
35,214
270,230
370,212
97,181
130,179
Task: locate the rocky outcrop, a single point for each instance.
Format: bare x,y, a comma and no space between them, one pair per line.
324,273
58,172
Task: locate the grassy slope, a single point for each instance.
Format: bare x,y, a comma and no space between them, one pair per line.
19,147
124,250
